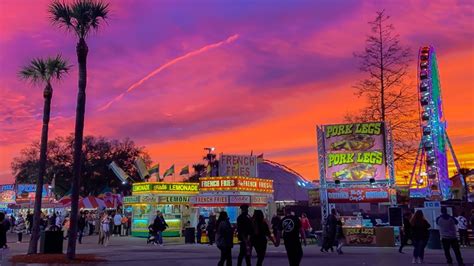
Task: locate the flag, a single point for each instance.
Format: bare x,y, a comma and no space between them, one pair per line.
260,158
141,167
118,172
185,170
155,169
168,172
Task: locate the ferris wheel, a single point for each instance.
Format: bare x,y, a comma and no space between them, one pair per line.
432,152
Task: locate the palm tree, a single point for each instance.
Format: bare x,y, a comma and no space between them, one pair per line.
43,71
79,17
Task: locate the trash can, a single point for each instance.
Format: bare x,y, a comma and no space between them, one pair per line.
51,242
189,235
434,242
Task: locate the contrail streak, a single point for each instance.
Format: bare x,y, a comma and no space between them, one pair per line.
168,64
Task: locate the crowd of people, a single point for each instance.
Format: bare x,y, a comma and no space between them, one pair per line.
416,229
89,223
253,232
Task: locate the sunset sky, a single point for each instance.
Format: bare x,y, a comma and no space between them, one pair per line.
178,76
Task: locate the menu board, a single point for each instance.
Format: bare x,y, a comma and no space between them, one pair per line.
354,152
360,235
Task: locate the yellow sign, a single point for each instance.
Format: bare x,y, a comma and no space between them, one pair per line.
162,187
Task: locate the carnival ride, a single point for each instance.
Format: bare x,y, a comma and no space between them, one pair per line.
434,141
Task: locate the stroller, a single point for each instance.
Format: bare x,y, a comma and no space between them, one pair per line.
151,235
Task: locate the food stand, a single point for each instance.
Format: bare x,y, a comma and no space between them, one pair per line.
357,175
170,198
228,193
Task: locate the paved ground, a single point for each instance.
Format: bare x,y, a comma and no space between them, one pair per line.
134,252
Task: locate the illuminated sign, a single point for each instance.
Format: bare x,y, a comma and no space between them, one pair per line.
131,199
28,191
228,200
360,235
238,165
236,183
187,188
174,199
356,195
210,200
354,152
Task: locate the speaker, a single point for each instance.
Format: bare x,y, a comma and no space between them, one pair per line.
395,216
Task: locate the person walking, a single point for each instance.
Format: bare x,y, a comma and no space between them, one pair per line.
124,225
20,228
117,224
329,232
104,230
462,228
3,231
201,225
224,239
406,231
276,222
13,222
81,224
447,229
340,237
305,224
160,225
66,225
291,232
420,236
211,229
244,232
261,232
29,220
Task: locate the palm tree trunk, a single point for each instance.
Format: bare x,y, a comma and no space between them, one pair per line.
81,50
33,246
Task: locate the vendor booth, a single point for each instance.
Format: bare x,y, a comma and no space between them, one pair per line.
228,193
171,199
357,179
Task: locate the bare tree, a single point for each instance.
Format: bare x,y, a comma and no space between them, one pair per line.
386,87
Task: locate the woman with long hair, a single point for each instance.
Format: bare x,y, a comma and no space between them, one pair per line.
224,239
420,235
261,234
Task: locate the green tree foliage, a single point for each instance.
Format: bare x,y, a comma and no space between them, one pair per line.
98,153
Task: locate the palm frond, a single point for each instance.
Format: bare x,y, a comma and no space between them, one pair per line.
41,70
80,16
61,14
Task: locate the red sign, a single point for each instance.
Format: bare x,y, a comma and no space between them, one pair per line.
236,183
356,195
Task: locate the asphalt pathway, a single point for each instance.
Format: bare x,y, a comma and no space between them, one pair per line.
132,251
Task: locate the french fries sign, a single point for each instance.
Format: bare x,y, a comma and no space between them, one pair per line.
354,152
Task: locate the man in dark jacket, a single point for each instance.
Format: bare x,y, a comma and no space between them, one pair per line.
81,224
406,232
244,232
447,230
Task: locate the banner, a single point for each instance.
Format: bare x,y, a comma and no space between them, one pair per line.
238,165
28,191
7,194
354,152
228,200
357,195
236,183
